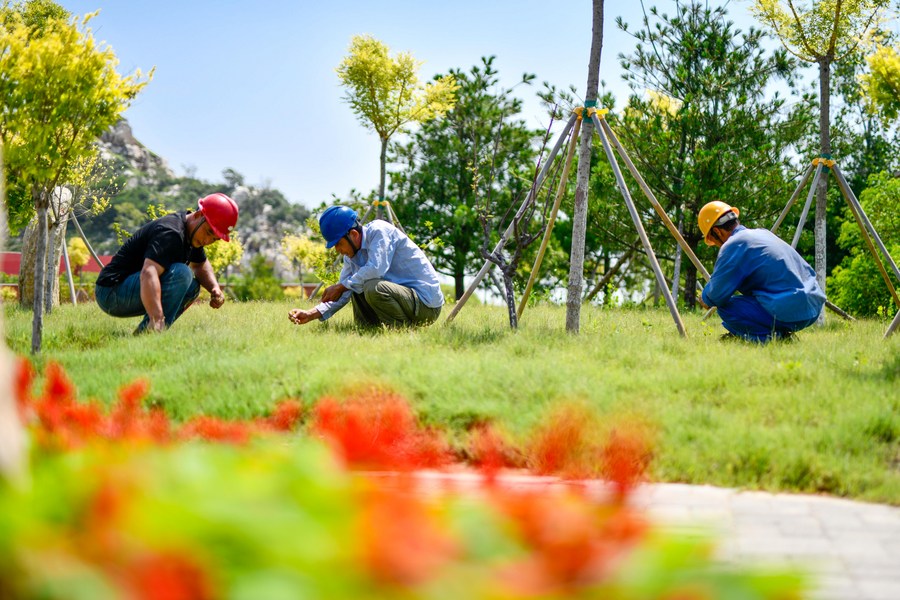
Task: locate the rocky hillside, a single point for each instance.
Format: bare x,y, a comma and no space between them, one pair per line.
137,178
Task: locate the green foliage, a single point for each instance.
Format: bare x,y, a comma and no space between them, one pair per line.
856,285
882,83
222,255
326,266
60,90
708,127
804,405
821,29
481,148
78,253
385,92
309,255
279,518
259,282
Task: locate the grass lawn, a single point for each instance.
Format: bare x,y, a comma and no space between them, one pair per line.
820,414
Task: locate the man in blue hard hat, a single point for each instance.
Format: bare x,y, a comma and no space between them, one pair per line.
385,276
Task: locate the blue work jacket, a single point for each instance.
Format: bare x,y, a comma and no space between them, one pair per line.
756,262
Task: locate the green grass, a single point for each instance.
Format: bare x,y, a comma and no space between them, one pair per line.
821,414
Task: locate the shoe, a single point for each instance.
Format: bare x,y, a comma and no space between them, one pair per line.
728,336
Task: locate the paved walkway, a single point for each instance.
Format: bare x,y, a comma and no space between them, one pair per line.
853,548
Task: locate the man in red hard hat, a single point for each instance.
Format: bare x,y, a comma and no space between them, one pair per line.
158,272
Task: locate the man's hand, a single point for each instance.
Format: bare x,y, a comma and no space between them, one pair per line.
157,325
333,292
216,297
298,316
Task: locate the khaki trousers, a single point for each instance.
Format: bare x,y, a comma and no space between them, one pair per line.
390,304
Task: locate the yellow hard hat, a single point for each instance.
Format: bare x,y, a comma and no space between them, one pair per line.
711,213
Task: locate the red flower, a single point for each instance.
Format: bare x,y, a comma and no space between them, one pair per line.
169,576
625,458
404,542
216,430
489,451
286,416
378,429
563,445
24,380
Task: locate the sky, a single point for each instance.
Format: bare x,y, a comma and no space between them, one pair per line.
251,85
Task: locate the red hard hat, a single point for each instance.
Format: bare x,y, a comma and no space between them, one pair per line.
221,213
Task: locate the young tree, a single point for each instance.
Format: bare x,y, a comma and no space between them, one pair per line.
579,219
707,131
386,94
822,33
436,195
60,91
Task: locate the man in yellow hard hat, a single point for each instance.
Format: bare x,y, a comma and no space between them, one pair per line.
779,293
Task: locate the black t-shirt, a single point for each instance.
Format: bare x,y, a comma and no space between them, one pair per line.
164,240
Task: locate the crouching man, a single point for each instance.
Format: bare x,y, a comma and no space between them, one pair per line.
385,275
778,290
158,271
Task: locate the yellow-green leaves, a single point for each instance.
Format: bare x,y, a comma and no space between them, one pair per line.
882,84
59,90
221,255
385,92
827,29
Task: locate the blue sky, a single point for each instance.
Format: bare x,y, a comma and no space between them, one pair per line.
251,85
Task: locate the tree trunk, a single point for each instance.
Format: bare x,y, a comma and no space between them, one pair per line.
55,235
40,258
579,219
510,297
459,282
822,191
384,146
12,437
676,271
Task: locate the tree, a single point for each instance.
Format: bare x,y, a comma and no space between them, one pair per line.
78,254
222,255
823,33
707,131
436,196
579,219
882,83
60,91
856,284
306,253
386,95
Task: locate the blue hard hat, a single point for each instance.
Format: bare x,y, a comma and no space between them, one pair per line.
335,222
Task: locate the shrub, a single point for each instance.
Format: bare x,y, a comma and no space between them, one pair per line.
260,283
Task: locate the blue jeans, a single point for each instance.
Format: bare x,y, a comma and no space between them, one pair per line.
179,290
744,317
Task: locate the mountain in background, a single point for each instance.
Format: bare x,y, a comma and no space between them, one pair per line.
136,178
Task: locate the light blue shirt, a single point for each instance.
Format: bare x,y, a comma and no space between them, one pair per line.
756,262
387,253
